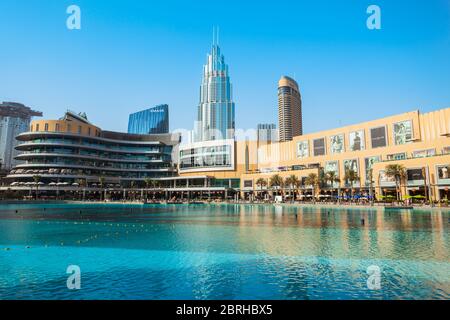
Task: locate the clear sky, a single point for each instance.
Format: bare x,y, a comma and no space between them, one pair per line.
133,54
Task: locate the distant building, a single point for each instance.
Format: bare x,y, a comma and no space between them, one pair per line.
289,109
267,132
14,119
151,121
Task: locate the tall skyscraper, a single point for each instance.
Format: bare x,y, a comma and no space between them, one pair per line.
289,109
15,118
215,119
150,121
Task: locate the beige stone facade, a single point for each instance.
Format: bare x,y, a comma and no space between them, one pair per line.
420,142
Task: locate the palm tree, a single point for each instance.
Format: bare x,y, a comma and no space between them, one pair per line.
101,182
81,184
36,180
291,182
312,180
297,184
261,182
322,178
398,172
276,181
155,184
148,182
132,186
351,176
332,177
370,176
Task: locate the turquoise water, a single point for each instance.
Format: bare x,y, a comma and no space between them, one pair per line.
222,252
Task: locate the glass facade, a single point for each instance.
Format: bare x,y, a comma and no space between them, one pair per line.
151,121
59,157
215,119
15,118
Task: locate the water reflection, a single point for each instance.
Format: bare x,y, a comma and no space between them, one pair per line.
226,251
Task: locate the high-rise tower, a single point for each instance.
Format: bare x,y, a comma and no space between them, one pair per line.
15,118
289,109
215,119
150,121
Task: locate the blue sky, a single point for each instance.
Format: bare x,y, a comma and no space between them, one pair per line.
132,54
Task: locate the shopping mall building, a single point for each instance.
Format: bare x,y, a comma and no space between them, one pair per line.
71,154
419,142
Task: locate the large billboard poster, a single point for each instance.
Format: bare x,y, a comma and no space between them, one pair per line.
351,164
302,149
443,172
369,162
337,144
356,140
402,132
332,166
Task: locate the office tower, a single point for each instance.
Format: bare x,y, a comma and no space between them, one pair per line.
150,121
267,132
14,119
289,109
215,119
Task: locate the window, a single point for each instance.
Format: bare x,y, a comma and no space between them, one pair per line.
446,150
46,127
319,147
57,127
424,153
248,183
69,128
37,127
79,129
89,131
378,137
396,156
415,174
